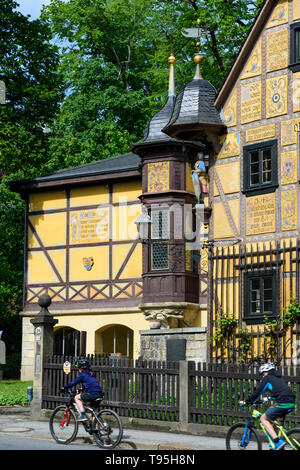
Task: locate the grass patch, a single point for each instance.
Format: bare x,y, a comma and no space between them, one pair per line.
14,392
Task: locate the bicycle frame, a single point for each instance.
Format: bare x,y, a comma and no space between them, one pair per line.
67,414
281,431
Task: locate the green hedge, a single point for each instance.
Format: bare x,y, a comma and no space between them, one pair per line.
14,393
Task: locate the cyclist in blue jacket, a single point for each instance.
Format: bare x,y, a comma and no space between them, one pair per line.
90,384
280,392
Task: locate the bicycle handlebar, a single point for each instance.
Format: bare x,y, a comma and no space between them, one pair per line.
258,402
71,392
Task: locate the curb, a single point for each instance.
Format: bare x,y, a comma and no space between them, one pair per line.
10,410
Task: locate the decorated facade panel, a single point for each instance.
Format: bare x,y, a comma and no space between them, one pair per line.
82,244
257,164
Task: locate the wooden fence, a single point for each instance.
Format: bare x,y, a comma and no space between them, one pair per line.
136,389
161,391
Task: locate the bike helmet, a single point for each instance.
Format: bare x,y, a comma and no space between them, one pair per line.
266,367
82,364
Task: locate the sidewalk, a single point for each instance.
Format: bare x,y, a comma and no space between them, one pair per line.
18,422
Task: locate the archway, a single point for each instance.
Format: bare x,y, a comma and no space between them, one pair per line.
114,339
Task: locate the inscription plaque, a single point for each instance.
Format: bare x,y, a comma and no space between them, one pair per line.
260,214
88,226
260,133
296,10
251,102
277,50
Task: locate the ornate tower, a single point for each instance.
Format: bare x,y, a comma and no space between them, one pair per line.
170,276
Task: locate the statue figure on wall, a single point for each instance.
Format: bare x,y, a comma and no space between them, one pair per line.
200,178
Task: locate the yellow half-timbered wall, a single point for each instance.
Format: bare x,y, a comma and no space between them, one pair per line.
82,250
263,105
82,244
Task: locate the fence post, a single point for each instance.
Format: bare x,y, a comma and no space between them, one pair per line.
43,324
185,393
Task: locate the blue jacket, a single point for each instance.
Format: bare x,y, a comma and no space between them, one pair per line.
88,380
274,383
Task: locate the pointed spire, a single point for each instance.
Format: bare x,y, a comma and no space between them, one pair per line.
153,131
171,61
198,57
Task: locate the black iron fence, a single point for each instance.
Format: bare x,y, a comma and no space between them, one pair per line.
256,335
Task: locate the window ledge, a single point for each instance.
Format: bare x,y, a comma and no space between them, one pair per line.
294,67
260,190
259,319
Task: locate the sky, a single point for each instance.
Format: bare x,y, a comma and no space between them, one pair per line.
31,7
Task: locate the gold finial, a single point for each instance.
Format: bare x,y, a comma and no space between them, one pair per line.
172,59
198,60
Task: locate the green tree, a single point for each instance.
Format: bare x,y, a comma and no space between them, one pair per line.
115,67
28,67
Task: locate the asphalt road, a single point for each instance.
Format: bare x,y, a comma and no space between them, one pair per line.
10,443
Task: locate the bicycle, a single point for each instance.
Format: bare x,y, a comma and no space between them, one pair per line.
244,436
105,426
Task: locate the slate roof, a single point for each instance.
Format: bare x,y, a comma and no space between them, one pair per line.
121,163
195,105
153,131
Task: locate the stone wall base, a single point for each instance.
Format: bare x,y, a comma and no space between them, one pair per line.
154,343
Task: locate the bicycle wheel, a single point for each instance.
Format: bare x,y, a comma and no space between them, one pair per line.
294,437
108,429
63,425
237,439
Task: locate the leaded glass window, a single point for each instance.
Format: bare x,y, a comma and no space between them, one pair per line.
160,231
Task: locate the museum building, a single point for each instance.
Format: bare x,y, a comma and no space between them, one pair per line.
141,254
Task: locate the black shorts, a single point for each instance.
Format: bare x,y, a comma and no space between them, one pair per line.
90,396
275,412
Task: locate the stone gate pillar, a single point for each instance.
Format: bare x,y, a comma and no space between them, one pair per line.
43,324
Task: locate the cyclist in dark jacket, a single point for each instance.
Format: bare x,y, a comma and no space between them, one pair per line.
281,393
90,384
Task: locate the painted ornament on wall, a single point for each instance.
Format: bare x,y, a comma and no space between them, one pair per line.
280,14
289,167
230,110
276,96
253,66
296,92
158,177
288,134
88,263
289,210
230,145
